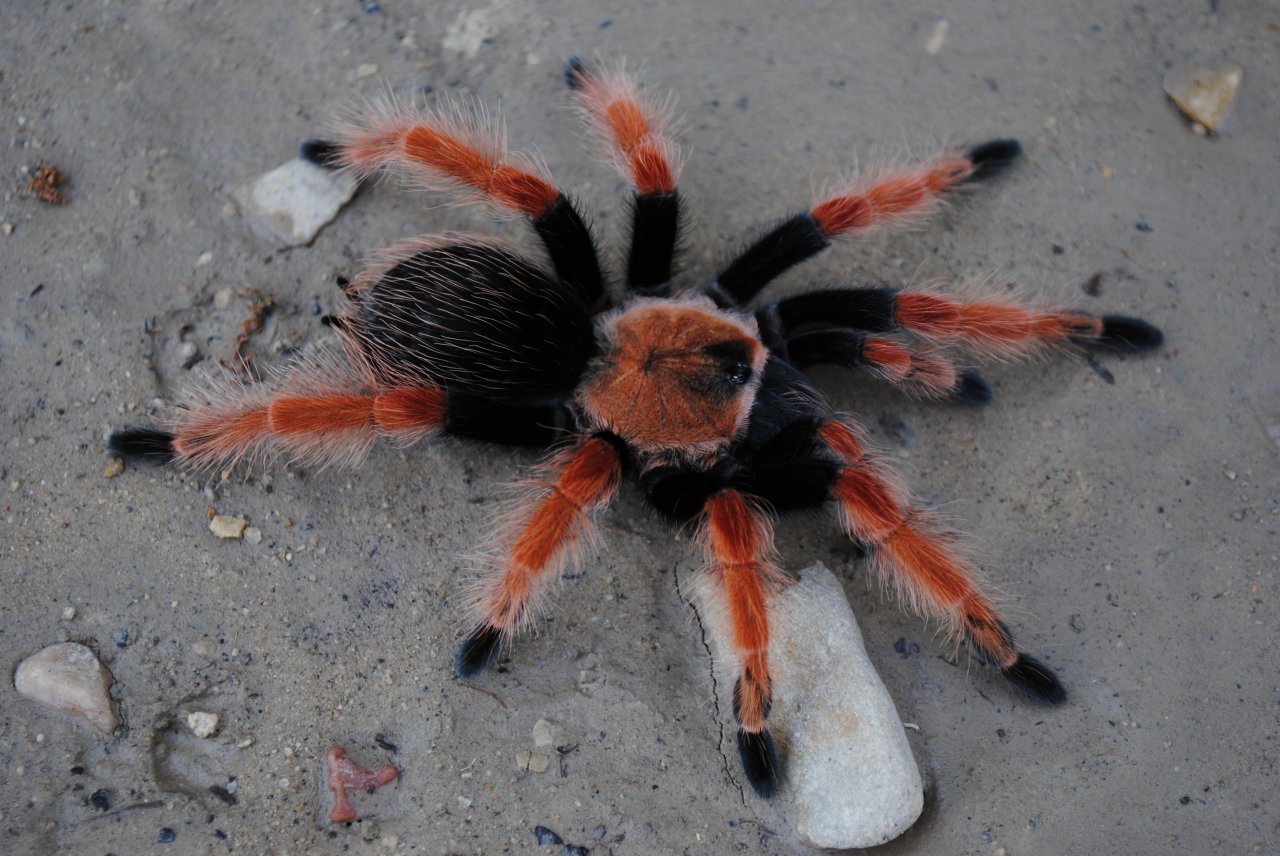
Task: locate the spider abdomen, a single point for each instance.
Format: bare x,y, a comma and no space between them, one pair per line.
473,316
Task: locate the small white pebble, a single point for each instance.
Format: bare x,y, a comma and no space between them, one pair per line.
366,69
226,526
69,613
284,783
205,258
39,738
937,36
1230,474
222,299
203,723
245,743
543,733
253,535
464,802
7,228
390,842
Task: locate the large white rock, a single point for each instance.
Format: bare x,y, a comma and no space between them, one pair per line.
69,679
293,201
851,780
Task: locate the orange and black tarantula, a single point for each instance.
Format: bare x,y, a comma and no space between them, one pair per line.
699,397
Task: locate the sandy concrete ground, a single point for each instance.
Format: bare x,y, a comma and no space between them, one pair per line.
1132,525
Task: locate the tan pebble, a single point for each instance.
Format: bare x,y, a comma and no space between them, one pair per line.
113,468
1204,91
539,763
222,299
522,759
226,526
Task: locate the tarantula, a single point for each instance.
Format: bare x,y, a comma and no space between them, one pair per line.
699,397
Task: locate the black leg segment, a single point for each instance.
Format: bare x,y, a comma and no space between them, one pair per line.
655,230
786,245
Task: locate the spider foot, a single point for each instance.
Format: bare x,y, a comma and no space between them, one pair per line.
993,157
575,72
973,388
760,761
320,152
478,651
1035,679
346,775
1122,333
142,443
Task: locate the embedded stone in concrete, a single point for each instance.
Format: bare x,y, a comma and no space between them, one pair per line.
850,778
68,678
292,202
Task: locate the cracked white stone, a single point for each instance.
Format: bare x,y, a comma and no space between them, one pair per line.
68,678
292,202
850,779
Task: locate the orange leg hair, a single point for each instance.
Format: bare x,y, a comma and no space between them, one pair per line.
324,418
459,150
922,564
891,197
631,129
991,325
737,538
549,528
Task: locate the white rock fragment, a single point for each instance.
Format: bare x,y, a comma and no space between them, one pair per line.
293,201
68,678
1204,90
937,37
203,723
68,613
851,780
253,535
226,526
544,733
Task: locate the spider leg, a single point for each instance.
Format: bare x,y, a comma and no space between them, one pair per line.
632,130
545,531
928,373
322,411
462,151
737,538
922,563
891,197
993,325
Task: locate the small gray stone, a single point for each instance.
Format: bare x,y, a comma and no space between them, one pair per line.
68,678
851,780
292,202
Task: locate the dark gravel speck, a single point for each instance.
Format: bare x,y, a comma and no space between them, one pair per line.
100,799
546,836
166,836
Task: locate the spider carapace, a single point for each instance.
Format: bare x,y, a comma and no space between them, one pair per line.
698,396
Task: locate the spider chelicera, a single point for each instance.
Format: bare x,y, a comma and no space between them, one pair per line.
698,397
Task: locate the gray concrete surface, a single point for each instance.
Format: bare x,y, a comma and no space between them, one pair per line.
1132,527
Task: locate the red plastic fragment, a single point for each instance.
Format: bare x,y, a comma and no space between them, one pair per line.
346,775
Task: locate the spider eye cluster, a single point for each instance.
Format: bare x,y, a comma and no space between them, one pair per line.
733,358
